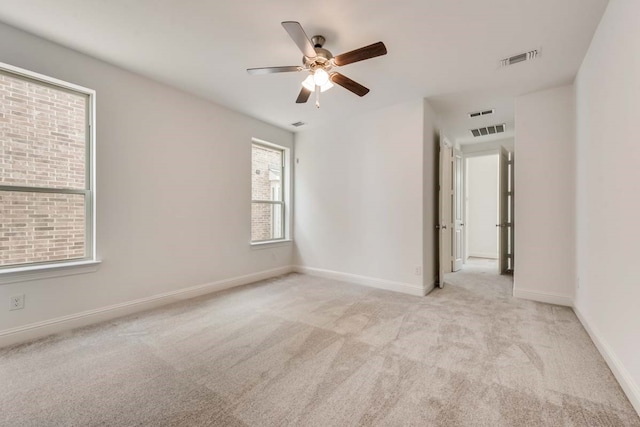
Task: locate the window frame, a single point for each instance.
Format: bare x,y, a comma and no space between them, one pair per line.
36,270
284,193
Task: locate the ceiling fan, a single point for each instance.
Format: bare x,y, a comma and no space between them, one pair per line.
320,63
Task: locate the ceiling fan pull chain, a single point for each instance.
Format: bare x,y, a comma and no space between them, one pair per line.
317,96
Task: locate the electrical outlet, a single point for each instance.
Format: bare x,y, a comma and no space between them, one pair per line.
418,271
17,302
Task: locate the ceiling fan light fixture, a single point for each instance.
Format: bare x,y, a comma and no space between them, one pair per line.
310,84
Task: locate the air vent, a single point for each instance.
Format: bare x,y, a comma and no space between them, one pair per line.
481,113
521,57
489,130
298,124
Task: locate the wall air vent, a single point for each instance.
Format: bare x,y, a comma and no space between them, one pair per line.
489,130
298,124
521,57
481,113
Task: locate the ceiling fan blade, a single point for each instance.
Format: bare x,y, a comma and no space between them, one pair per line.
303,96
367,52
300,38
271,70
347,83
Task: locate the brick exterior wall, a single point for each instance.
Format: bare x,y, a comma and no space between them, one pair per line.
39,227
266,218
42,144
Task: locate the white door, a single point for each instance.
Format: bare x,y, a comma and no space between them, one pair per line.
503,212
444,213
457,211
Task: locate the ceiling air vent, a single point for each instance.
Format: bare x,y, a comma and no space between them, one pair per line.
489,130
481,113
521,57
298,124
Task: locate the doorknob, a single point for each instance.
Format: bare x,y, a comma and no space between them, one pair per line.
444,227
462,225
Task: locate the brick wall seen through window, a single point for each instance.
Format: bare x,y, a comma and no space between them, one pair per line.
43,172
267,219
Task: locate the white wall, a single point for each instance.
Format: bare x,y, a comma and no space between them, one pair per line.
545,196
608,235
482,206
173,188
359,197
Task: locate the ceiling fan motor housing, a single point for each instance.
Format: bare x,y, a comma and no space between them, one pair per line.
323,56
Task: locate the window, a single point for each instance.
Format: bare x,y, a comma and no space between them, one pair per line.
46,171
268,190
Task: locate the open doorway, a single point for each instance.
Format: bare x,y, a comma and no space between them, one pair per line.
477,227
476,196
481,211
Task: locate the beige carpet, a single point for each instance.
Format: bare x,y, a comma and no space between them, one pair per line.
305,351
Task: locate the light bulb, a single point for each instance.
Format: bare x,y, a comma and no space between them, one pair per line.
310,84
320,77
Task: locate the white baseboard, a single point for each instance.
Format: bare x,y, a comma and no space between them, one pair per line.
482,255
64,323
631,389
373,282
549,298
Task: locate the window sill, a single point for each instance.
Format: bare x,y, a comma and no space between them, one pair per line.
47,271
270,243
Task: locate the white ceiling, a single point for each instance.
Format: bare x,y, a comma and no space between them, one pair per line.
436,47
